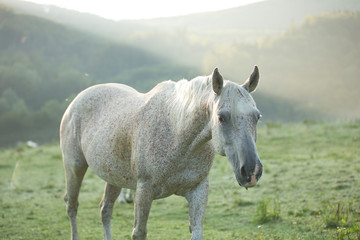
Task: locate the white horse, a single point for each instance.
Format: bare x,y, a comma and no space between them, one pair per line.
160,143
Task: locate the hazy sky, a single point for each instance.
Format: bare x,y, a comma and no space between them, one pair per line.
138,9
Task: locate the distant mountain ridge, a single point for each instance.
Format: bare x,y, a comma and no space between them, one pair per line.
268,14
256,20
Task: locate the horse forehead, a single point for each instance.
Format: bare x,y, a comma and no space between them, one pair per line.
237,98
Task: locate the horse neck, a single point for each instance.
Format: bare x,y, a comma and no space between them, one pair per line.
192,119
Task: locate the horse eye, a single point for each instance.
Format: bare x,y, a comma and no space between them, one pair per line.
223,116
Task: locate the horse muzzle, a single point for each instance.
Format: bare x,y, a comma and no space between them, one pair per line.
249,177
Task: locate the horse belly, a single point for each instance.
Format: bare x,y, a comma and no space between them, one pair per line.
108,155
113,171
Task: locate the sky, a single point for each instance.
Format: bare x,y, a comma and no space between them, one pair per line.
144,9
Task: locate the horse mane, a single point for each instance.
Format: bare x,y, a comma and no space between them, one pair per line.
189,95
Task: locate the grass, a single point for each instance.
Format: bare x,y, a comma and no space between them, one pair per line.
310,189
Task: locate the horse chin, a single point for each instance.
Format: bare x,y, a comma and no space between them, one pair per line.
251,184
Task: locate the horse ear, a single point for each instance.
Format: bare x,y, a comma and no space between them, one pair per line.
217,81
252,82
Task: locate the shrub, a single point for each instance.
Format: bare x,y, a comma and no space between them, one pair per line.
265,211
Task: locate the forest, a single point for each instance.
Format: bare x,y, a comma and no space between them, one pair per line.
309,71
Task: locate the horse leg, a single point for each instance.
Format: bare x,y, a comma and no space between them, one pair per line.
74,171
129,196
106,207
143,201
197,199
122,198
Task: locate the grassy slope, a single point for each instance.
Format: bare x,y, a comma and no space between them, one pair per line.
311,172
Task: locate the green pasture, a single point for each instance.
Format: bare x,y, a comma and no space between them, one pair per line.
310,189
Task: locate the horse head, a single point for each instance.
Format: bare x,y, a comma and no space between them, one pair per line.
234,120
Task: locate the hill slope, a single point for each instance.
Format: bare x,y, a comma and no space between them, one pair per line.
307,60
315,64
43,64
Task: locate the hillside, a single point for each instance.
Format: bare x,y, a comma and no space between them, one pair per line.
44,64
311,65
307,49
309,71
315,64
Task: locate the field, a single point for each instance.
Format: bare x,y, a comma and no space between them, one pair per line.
310,189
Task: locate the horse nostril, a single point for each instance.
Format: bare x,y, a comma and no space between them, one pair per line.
248,179
243,171
244,174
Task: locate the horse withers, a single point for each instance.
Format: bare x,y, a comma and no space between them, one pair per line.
160,143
